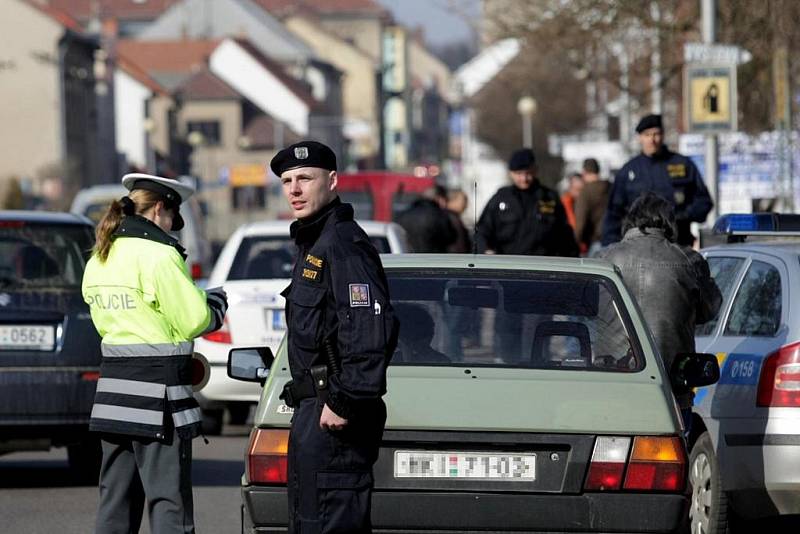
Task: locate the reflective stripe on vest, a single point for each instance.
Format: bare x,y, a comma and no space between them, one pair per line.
186,417
131,415
179,392
147,349
131,387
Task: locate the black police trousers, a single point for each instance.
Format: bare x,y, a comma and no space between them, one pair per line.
330,472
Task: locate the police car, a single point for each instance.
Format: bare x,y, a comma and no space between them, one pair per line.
746,432
254,267
525,395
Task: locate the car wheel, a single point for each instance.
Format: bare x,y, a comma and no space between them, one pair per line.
708,512
239,412
84,460
211,422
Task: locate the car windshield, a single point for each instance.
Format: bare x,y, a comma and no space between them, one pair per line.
265,257
532,320
43,256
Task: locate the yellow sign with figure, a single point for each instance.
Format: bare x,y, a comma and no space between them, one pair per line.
248,174
710,97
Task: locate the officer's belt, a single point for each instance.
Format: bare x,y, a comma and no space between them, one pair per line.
313,383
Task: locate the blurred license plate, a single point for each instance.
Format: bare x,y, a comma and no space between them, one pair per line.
466,465
277,318
27,337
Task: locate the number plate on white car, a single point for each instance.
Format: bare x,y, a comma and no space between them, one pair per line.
27,337
466,465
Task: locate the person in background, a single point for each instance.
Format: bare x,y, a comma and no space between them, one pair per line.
525,217
671,283
574,188
456,206
590,207
661,171
428,223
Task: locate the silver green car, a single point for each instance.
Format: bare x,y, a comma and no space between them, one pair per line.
525,395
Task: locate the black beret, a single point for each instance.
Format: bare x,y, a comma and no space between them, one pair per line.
521,160
649,121
303,154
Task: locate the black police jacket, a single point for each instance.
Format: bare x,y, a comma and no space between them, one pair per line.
667,174
428,226
530,222
339,292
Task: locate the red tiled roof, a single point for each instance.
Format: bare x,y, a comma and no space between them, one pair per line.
58,15
120,9
184,55
139,74
204,85
284,7
261,132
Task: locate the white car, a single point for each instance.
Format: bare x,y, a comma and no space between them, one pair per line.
254,267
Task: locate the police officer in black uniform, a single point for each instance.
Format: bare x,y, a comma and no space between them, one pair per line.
342,333
663,172
526,217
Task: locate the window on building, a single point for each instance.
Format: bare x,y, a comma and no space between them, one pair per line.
210,129
249,197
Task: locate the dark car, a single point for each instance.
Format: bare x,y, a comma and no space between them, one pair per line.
49,348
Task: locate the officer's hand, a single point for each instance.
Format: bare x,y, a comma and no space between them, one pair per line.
330,421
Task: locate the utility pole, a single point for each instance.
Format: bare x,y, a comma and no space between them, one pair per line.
709,22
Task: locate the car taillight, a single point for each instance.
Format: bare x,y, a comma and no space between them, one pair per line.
608,463
197,270
90,376
779,383
267,459
223,335
655,464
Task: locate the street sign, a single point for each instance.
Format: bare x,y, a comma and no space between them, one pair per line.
710,98
715,54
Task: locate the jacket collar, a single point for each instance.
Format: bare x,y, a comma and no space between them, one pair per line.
138,226
308,230
648,232
662,154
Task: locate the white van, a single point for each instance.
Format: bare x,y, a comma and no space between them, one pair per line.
93,203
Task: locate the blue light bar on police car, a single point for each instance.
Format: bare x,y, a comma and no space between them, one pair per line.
758,224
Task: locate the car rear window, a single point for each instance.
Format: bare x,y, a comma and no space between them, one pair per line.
36,256
265,257
541,321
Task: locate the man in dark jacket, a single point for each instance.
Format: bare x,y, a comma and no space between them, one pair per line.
526,217
672,284
663,172
428,223
341,334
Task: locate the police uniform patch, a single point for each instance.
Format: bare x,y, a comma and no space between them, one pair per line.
301,152
311,274
359,295
547,207
677,170
315,261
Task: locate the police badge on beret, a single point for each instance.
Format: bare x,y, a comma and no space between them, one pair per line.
303,154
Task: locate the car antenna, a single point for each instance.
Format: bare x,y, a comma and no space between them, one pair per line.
475,217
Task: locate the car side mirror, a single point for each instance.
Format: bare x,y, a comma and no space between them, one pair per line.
250,364
695,370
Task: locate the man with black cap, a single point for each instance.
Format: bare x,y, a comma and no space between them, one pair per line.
526,217
341,335
663,172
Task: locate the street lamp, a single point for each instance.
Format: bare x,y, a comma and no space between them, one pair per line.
526,106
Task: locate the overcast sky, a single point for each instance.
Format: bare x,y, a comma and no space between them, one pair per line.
437,17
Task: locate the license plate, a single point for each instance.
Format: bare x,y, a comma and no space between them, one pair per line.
465,465
27,337
278,319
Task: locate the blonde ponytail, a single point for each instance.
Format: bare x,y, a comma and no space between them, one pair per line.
138,201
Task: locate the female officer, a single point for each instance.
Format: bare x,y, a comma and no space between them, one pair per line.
148,311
